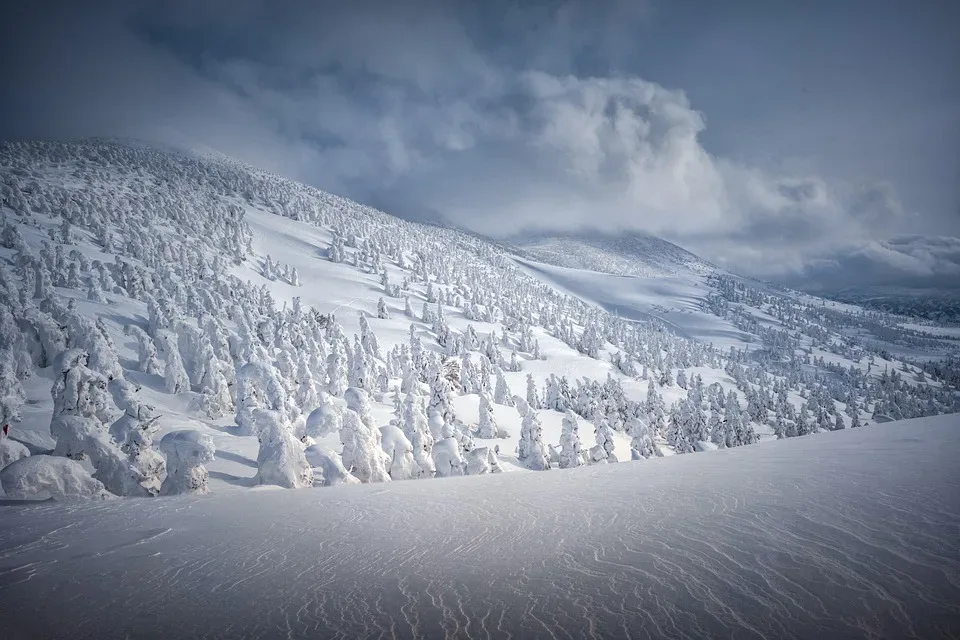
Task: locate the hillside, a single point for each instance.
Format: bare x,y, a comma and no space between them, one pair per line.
845,535
625,253
147,292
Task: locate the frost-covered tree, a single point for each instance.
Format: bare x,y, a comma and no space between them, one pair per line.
677,428
147,360
50,477
570,455
336,369
717,426
186,452
280,460
417,429
533,399
531,452
368,339
213,386
382,311
655,408
326,419
175,377
604,437
697,428
306,395
79,391
399,450
448,458
362,454
642,445
12,395
482,460
134,432
257,388
487,423
501,391
440,408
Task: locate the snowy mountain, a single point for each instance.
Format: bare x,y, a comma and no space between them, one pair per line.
180,323
625,254
150,293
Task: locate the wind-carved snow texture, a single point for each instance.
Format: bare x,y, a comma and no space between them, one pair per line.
787,539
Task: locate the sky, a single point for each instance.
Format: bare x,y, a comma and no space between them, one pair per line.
815,143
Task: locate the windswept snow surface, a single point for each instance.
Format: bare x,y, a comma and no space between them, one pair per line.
851,534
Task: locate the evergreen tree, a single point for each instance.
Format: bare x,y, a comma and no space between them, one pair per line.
677,429
501,392
487,424
570,454
531,452
533,399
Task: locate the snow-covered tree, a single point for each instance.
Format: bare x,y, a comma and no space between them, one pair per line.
336,369
641,440
417,429
12,395
604,437
326,419
448,458
570,454
280,460
678,428
533,399
531,452
50,477
175,377
10,450
487,423
134,432
147,360
362,454
186,452
501,391
399,450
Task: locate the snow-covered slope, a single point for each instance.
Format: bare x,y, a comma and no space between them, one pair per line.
142,257
849,535
677,301
626,253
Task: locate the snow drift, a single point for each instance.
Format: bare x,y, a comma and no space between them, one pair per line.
787,539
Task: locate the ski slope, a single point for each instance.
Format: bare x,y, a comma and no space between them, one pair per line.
787,539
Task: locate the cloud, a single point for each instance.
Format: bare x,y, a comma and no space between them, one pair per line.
500,117
914,262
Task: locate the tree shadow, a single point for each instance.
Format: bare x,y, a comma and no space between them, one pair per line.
234,457
230,429
237,481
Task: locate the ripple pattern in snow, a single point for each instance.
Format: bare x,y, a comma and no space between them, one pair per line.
853,534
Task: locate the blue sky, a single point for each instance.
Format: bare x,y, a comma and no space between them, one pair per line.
788,140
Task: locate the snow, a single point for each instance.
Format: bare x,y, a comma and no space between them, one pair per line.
49,477
786,539
673,300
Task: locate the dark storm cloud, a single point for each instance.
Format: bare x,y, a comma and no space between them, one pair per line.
501,116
